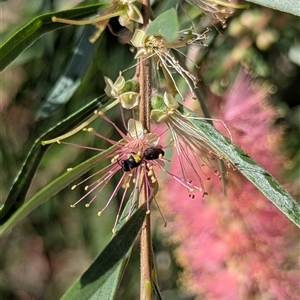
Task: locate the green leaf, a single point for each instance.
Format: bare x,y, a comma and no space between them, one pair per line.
288,6
67,84
89,285
18,191
52,188
267,184
40,25
109,288
165,25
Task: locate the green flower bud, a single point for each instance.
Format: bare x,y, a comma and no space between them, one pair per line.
131,86
157,103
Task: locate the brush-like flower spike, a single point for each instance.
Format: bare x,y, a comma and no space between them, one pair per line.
126,158
158,47
191,146
138,156
217,9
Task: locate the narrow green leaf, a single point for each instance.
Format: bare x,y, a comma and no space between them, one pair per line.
18,191
288,6
67,84
52,189
109,288
267,184
40,25
88,286
165,25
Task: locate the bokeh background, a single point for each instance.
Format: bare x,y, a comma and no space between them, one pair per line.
50,248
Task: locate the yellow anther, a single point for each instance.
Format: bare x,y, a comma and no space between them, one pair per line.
87,205
69,169
73,187
72,205
126,185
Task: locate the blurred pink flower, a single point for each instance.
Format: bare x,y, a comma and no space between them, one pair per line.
238,246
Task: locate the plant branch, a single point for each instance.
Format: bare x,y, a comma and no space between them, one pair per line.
145,80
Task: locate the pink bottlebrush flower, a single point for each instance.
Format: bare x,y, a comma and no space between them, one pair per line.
137,156
193,150
238,246
128,158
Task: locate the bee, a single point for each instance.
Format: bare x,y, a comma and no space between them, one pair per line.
132,162
135,160
153,153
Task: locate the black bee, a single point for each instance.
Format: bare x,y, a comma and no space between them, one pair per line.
153,153
132,162
135,160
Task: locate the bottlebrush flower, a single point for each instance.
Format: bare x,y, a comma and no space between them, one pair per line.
217,9
194,151
158,47
137,156
127,158
238,246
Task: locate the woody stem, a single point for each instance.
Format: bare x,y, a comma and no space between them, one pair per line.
146,254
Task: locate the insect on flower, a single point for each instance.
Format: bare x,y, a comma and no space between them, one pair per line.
132,162
133,157
153,153
136,157
135,160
